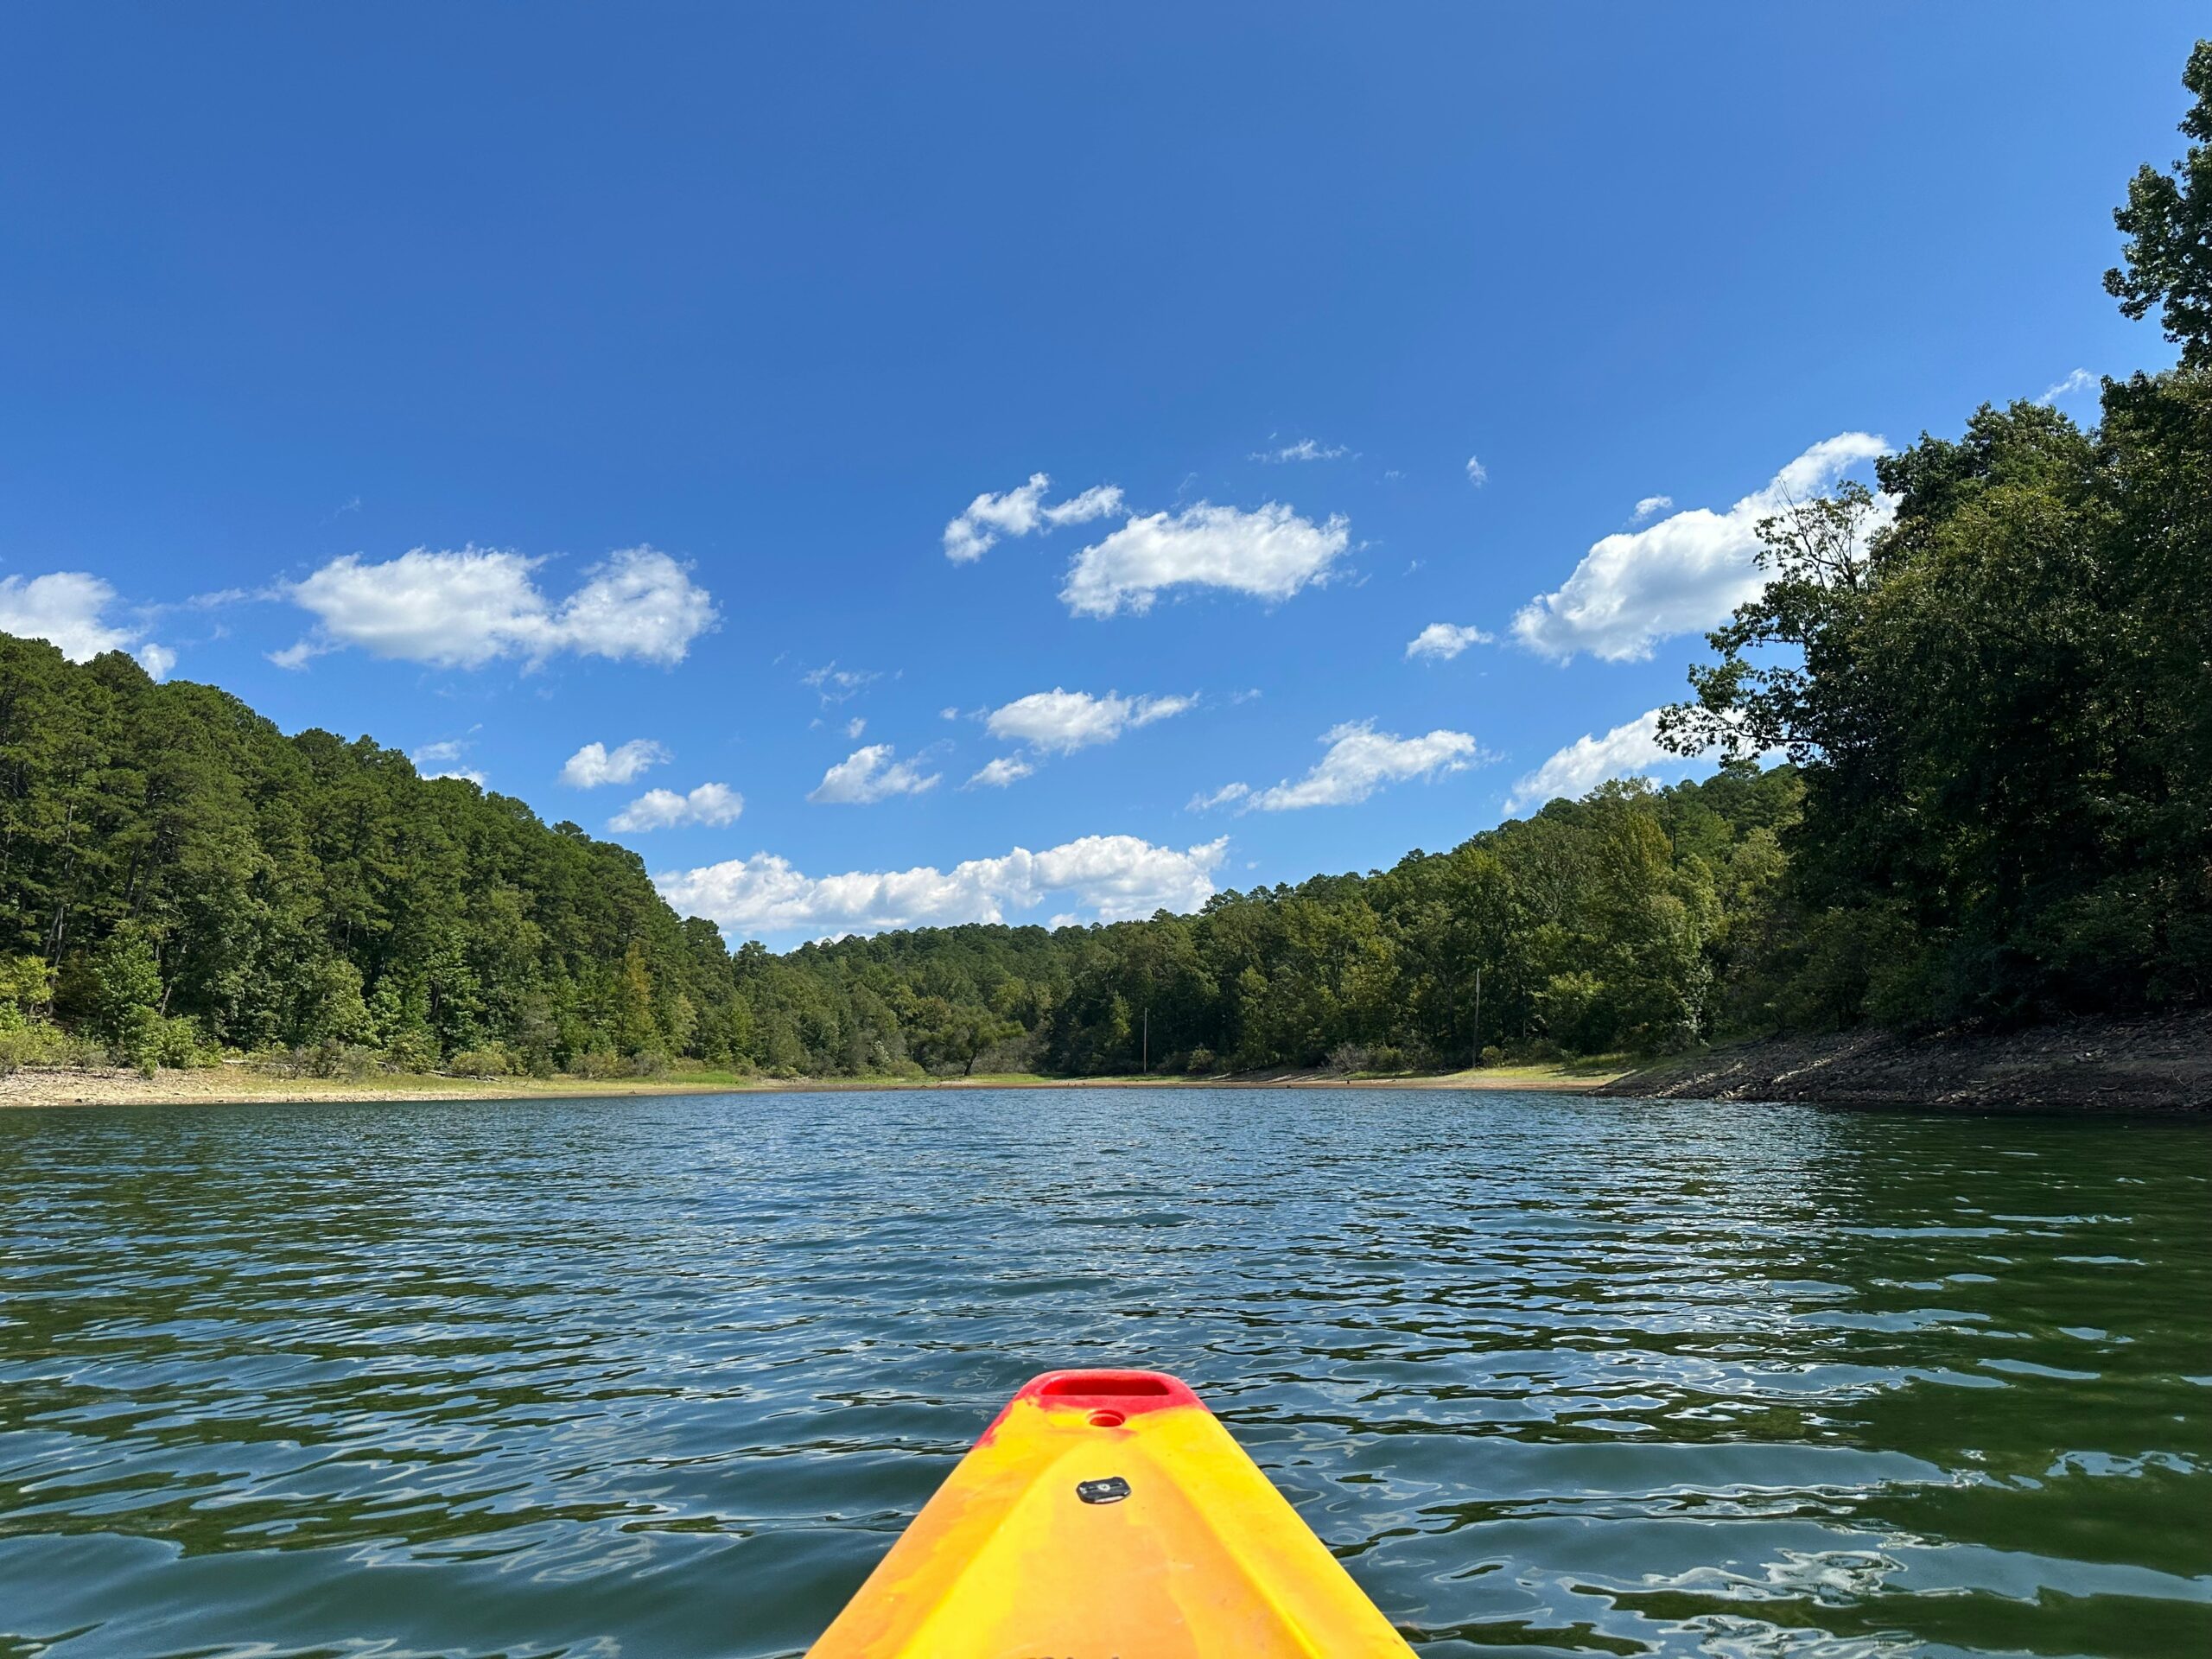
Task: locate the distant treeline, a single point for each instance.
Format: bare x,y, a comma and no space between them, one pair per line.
177,875
1995,689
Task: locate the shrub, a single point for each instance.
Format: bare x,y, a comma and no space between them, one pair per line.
178,1042
1348,1057
489,1061
328,1059
410,1049
134,1036
1201,1062
36,1042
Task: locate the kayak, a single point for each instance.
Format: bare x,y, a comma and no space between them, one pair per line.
1108,1515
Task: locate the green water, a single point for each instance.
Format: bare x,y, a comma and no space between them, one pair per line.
666,1376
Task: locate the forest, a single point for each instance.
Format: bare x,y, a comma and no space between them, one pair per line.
1992,680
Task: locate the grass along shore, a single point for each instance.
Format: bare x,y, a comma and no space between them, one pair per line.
236,1084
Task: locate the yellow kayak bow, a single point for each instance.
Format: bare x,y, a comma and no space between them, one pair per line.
1108,1515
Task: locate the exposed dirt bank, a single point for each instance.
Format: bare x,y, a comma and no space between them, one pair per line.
234,1085
2161,1064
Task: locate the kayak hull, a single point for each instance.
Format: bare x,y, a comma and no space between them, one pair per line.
1108,1515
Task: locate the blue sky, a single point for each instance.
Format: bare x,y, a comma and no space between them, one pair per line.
499,381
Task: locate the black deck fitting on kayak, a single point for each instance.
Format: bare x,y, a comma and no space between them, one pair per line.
1112,1489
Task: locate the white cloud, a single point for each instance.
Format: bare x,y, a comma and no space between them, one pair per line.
1063,721
1096,502
1477,474
1020,511
464,608
663,808
442,760
1115,877
866,776
855,726
836,685
594,764
1269,553
1650,505
1359,761
997,774
2079,380
1446,640
1304,450
68,610
295,656
640,603
1227,795
1628,751
1682,574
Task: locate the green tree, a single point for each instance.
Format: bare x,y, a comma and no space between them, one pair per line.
128,979
2167,260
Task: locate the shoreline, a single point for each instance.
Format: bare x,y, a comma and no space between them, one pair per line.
2157,1063
2093,1065
33,1089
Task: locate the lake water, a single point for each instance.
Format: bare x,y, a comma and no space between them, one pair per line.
664,1376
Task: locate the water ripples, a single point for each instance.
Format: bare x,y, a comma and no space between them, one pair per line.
664,1376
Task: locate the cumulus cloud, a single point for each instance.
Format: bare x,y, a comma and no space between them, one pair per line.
1114,877
663,808
1650,505
1269,553
1682,575
1304,450
1063,721
1359,761
866,776
595,764
1446,640
1022,511
1628,751
997,774
2078,380
68,610
466,608
1477,474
